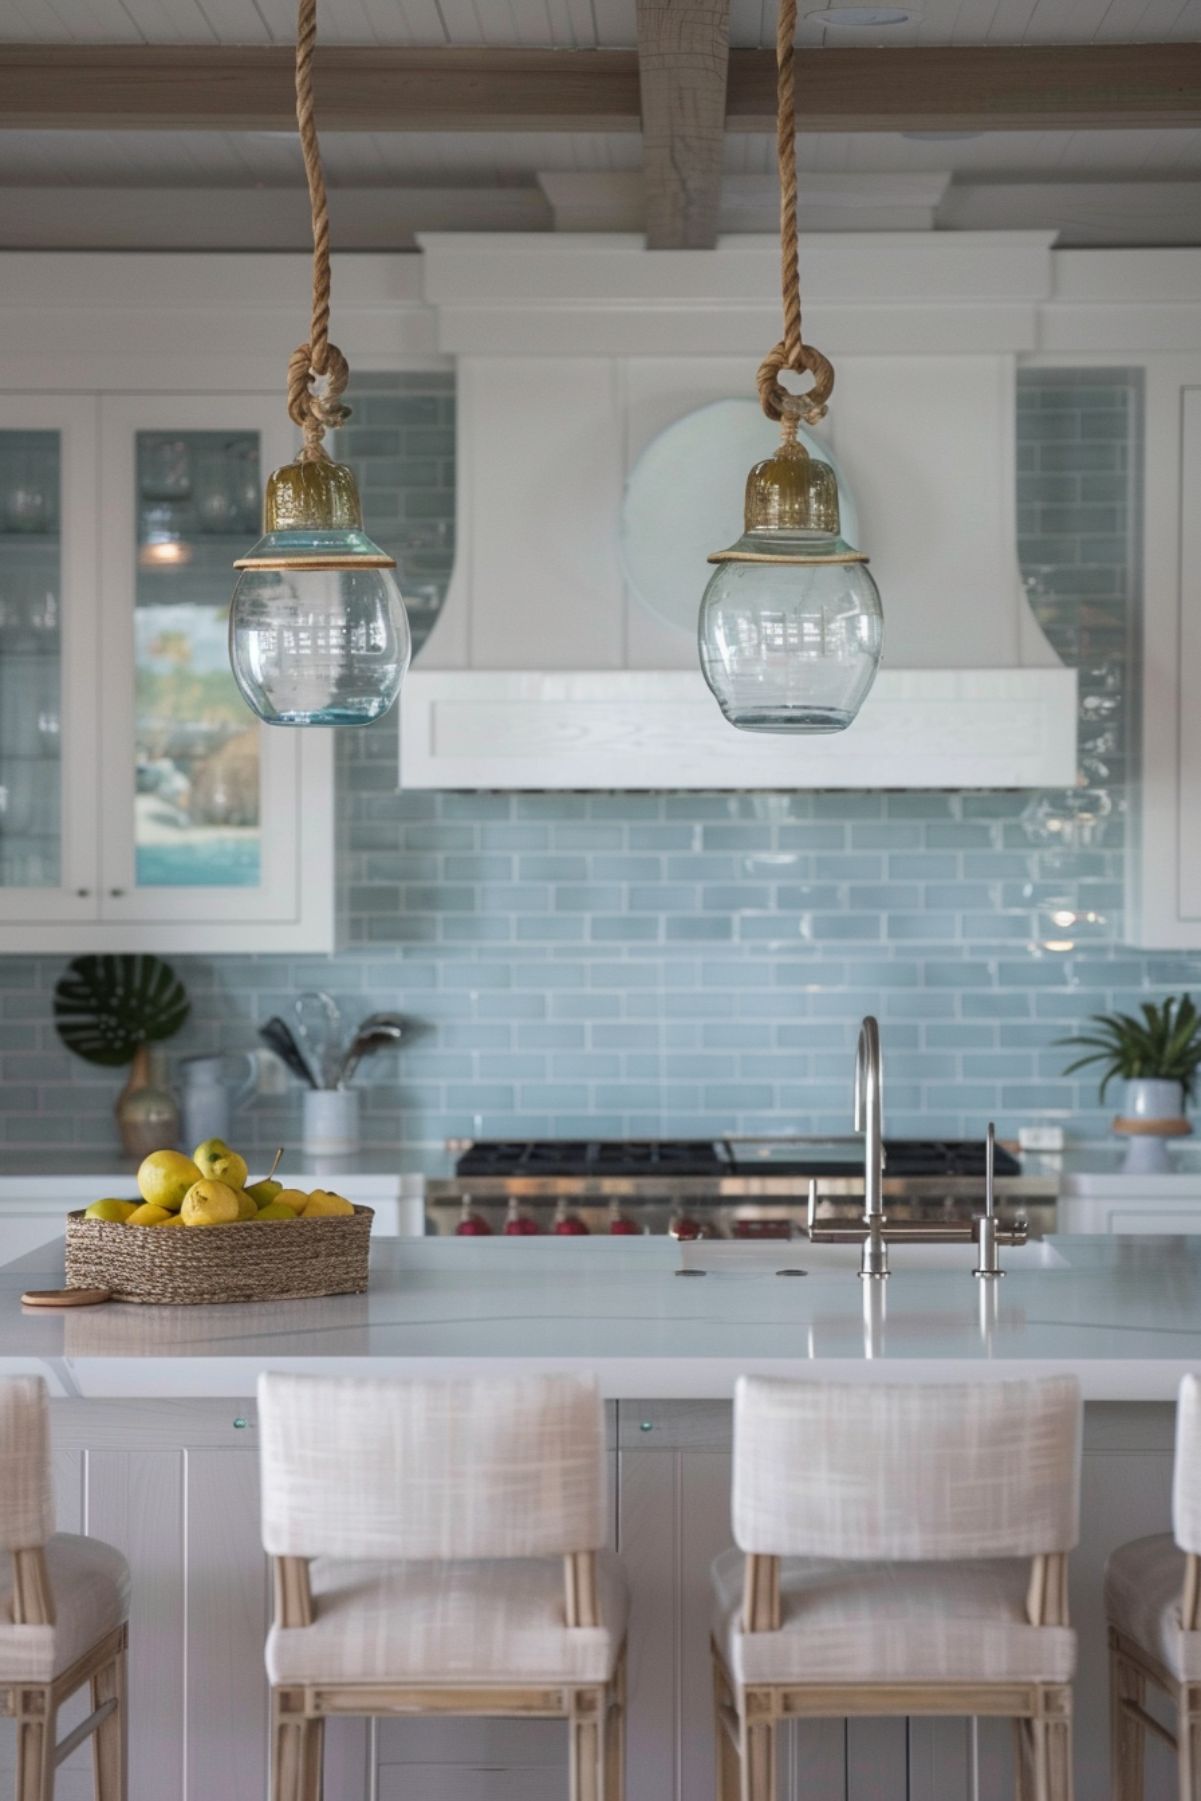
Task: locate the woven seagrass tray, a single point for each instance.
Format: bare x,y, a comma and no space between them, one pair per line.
254,1260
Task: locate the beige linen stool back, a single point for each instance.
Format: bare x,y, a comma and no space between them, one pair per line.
64,1604
902,1550
1153,1608
437,1550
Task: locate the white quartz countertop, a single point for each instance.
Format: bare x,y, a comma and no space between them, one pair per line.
1123,1314
74,1176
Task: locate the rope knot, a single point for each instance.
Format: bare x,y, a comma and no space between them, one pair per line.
316,413
776,400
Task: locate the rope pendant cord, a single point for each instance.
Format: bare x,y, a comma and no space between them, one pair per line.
315,413
791,352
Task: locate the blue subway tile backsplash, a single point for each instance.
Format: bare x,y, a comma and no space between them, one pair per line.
698,963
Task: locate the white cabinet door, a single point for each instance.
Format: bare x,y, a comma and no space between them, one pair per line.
215,828
1164,862
48,636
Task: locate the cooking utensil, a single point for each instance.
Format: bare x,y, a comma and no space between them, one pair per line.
278,1035
388,1030
319,1031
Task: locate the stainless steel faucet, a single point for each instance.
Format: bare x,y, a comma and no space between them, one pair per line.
874,1231
868,1117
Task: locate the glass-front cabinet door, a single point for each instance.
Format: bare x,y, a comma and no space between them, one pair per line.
208,816
48,777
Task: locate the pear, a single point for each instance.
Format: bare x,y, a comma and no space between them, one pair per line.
146,1215
215,1160
165,1177
266,1190
117,1211
323,1205
210,1204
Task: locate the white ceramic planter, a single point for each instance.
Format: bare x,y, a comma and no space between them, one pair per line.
1150,1098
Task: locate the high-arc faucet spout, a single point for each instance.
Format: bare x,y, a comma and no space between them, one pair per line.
869,1081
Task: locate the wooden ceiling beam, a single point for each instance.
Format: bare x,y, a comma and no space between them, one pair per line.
683,56
156,87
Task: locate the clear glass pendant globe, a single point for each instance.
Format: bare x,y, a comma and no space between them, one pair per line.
790,647
319,646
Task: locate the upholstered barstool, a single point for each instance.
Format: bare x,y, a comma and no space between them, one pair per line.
437,1550
901,1550
63,1612
1153,1609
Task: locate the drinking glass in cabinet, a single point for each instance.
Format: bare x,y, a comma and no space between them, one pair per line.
197,789
30,648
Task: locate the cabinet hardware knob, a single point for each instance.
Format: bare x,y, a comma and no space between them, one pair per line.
116,893
82,893
240,1424
646,1426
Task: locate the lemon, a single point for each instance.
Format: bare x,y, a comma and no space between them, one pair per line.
322,1205
246,1205
172,1219
147,1215
209,1204
165,1177
295,1199
114,1210
266,1190
275,1210
218,1163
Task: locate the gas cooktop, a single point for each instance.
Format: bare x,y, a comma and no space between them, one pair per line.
673,1157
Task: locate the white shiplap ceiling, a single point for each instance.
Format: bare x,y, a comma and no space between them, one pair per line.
578,24
510,162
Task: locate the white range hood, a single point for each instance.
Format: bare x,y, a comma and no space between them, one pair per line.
572,354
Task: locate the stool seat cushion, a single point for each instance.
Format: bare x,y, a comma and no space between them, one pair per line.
1144,1581
856,1623
89,1581
489,1621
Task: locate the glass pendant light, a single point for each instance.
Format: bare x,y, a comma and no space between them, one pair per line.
790,627
318,633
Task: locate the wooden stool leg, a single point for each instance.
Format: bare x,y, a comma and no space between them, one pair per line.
288,1744
110,1740
725,1750
1188,1743
615,1737
1127,1739
312,1758
36,1731
587,1745
758,1761
1052,1741
1023,1762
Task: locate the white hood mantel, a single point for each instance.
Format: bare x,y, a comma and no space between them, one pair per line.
544,672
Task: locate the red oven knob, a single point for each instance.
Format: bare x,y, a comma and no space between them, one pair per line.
471,1224
567,1225
621,1225
518,1224
682,1226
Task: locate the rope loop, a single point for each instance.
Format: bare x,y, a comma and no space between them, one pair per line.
776,400
318,360
316,413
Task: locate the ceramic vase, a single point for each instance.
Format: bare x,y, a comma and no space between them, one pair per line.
146,1110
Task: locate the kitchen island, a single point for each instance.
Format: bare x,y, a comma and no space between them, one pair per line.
154,1450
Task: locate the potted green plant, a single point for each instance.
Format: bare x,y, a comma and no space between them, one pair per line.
112,1011
1157,1056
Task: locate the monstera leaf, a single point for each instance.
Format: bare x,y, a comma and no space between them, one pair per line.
105,1007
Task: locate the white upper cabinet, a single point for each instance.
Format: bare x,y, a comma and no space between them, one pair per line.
142,806
48,693
1164,864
